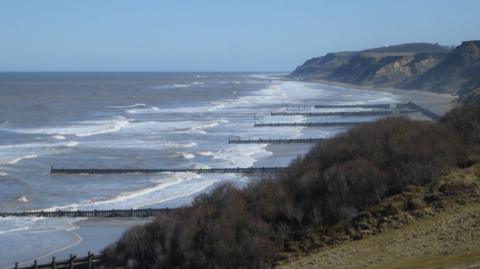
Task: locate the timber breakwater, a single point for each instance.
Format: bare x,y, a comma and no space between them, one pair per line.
248,170
112,213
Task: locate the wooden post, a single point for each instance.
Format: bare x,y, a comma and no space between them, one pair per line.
35,265
71,261
54,264
16,265
89,259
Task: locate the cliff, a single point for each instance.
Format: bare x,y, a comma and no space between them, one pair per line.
459,73
421,66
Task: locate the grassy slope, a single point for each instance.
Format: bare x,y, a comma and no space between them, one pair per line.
449,238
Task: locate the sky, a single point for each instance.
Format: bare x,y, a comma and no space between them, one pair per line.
216,35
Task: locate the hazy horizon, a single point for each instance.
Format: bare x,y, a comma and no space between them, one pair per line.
214,36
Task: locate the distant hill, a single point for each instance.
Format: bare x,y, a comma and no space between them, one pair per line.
421,66
458,73
411,48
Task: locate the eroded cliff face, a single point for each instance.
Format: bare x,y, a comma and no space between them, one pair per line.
419,66
458,73
379,70
385,66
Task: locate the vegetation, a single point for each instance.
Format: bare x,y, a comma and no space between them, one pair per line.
331,185
439,228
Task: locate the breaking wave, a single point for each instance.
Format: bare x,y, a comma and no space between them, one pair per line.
80,129
16,160
193,109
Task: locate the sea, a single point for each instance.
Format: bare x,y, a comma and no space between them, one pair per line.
140,120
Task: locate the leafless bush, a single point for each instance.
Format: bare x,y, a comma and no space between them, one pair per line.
231,228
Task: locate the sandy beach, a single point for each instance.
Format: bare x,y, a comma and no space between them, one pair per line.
436,102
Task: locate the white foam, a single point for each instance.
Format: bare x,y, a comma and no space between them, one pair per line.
14,230
130,106
37,224
82,128
205,153
171,86
59,137
14,153
3,174
191,188
193,109
131,199
185,155
144,110
172,179
16,160
72,144
189,144
155,127
22,199
241,155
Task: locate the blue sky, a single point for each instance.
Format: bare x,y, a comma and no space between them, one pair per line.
211,35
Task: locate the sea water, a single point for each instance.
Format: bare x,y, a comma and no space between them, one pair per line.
137,120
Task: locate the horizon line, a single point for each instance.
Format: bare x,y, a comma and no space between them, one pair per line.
139,71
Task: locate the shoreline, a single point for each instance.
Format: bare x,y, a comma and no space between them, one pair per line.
439,103
96,234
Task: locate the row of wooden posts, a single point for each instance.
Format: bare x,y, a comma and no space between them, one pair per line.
275,141
245,170
112,213
91,261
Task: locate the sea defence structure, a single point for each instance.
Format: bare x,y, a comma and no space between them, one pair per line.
310,124
275,141
426,112
111,213
384,106
345,113
91,261
249,170
392,108
409,105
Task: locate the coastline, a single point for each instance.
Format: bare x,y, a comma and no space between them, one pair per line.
439,103
95,234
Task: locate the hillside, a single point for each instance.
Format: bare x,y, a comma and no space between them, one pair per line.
419,66
384,66
428,234
458,73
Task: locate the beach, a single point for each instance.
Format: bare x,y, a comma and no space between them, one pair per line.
189,134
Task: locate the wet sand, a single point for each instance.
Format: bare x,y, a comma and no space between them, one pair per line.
96,234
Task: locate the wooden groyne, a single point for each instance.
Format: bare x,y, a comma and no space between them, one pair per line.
424,111
344,113
297,105
249,170
112,213
276,141
309,124
91,261
407,107
384,106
